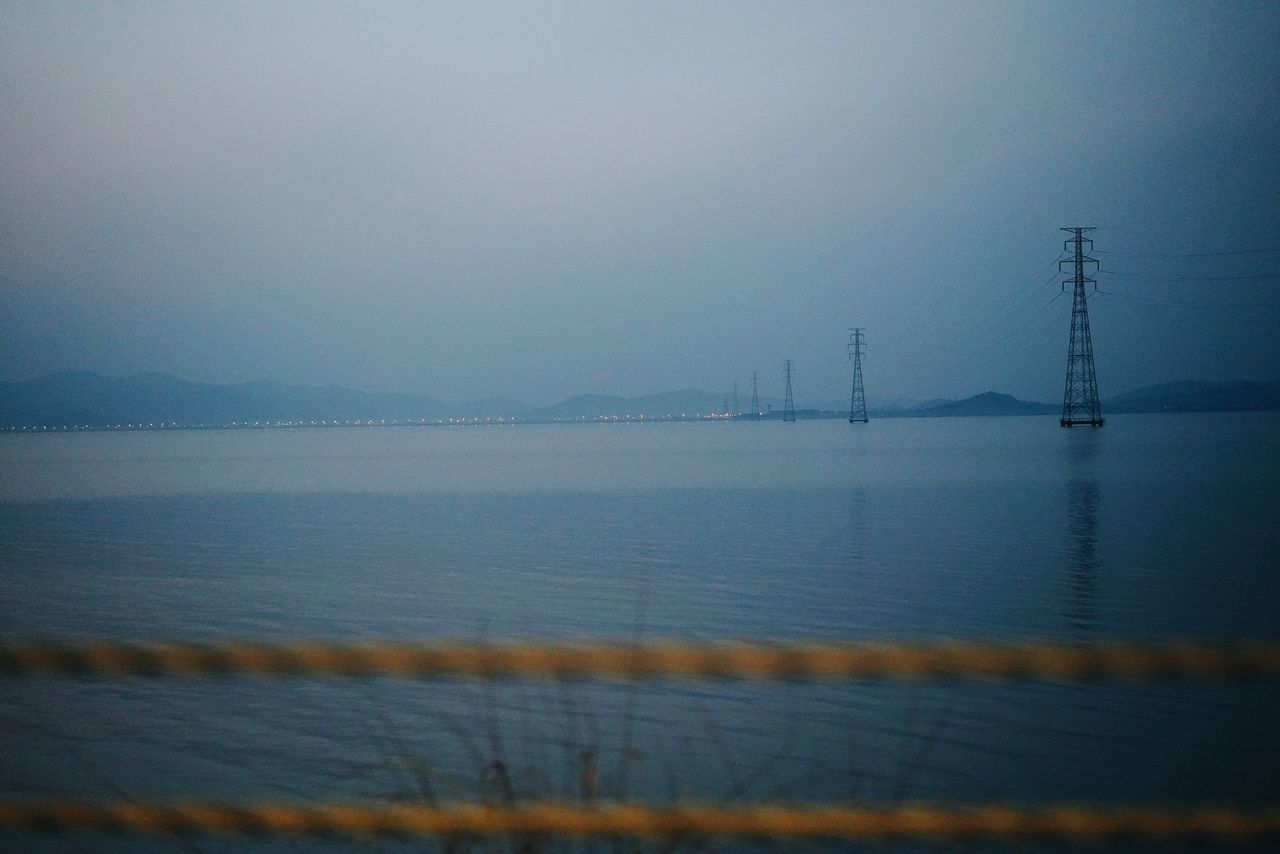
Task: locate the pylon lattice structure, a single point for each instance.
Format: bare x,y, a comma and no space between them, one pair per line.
755,394
789,407
1080,399
858,400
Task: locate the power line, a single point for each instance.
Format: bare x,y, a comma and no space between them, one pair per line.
1123,254
989,347
1250,277
1184,304
1000,322
1021,301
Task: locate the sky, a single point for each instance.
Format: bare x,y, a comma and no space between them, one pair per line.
537,200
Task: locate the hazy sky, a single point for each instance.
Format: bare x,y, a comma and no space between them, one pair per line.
536,200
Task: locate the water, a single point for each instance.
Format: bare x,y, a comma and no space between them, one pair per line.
1154,527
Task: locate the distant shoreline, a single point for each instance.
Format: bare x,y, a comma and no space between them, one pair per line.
85,401
386,424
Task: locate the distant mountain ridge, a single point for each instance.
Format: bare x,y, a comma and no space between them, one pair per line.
985,404
1181,396
1190,396
84,398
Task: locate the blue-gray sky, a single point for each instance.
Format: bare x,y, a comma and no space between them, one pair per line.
535,200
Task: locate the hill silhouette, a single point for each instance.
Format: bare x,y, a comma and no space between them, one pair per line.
985,404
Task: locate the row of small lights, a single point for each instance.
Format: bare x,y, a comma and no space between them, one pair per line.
683,416
381,422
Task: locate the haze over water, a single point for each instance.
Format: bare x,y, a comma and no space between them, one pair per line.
1155,526
537,202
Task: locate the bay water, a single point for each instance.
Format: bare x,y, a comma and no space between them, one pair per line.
1153,527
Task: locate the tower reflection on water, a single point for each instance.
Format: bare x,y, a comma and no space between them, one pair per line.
1083,560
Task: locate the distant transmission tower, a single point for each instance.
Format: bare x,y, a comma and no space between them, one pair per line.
1080,399
789,407
858,402
755,394
735,399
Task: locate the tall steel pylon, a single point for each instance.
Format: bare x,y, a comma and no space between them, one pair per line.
735,410
755,394
858,401
789,407
1080,399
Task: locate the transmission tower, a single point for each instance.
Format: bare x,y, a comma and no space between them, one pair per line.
789,407
858,402
755,394
1080,399
735,411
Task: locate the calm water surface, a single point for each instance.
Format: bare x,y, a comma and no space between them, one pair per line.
1154,526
